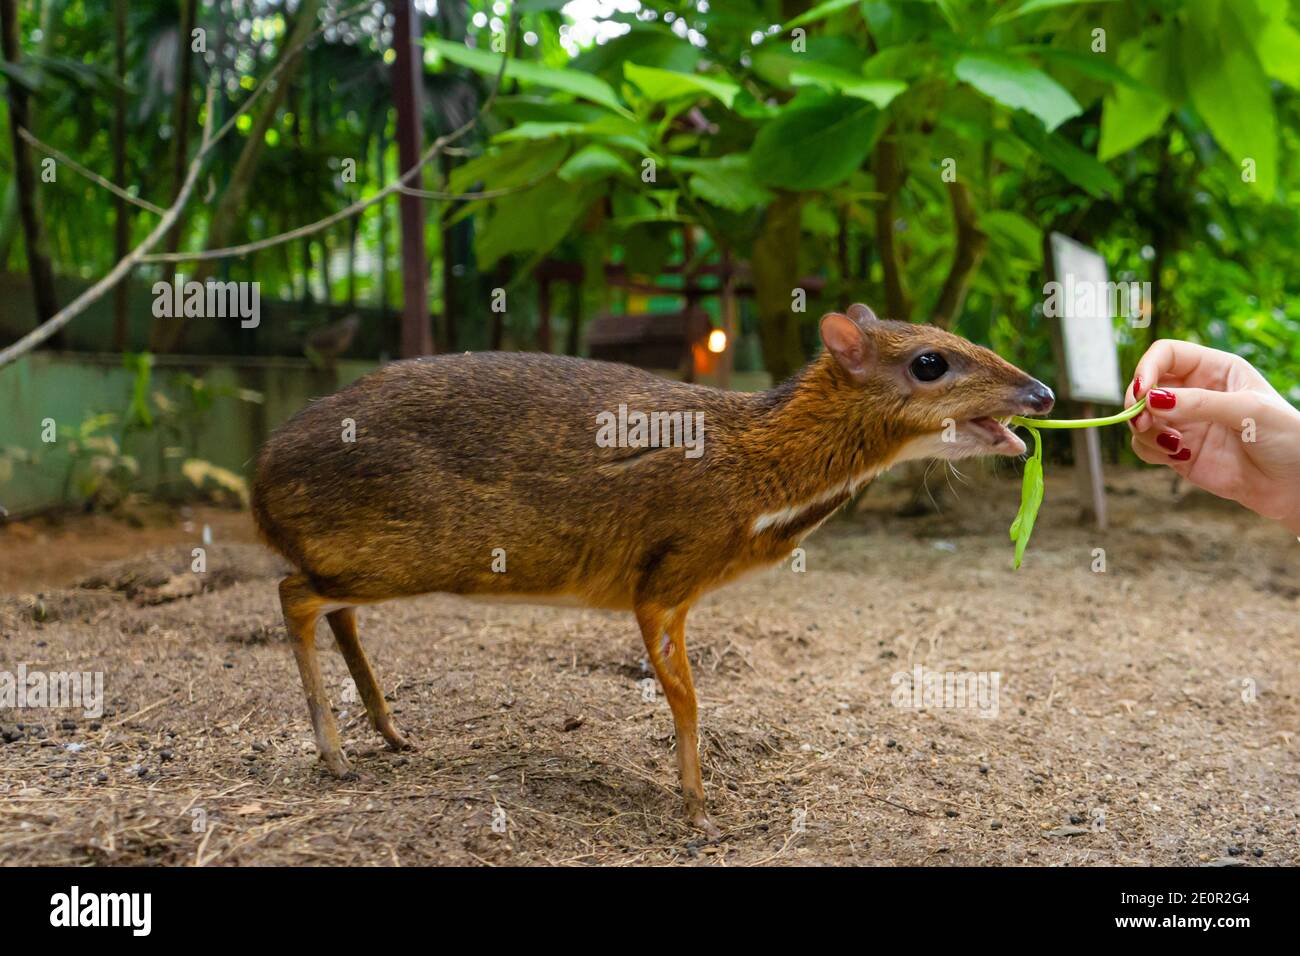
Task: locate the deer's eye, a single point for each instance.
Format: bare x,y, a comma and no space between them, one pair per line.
929,366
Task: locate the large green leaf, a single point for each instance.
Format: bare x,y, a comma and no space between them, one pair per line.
660,85
609,128
533,222
569,81
1019,85
1038,6
1129,116
1014,231
819,12
594,162
727,182
1092,65
836,80
1278,46
815,146
1230,91
1066,158
512,165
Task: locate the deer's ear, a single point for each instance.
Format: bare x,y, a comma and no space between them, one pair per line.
861,313
846,340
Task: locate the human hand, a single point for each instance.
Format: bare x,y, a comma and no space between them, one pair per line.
1215,420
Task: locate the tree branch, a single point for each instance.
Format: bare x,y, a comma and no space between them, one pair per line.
90,174
889,181
119,271
360,206
972,243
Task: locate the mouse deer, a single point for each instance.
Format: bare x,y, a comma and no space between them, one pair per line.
550,463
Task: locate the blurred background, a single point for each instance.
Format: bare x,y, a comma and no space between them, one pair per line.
683,186
687,187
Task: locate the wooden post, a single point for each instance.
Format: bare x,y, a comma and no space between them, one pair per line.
1088,477
544,315
417,334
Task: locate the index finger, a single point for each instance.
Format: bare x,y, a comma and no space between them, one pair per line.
1173,359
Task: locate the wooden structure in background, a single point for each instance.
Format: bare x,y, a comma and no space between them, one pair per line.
417,329
674,340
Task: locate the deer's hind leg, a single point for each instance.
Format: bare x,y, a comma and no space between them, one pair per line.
664,633
343,623
302,608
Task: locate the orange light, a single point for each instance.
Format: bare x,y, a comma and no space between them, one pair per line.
717,341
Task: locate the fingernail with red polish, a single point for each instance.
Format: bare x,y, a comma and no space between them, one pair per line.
1183,455
1161,398
1137,387
1168,441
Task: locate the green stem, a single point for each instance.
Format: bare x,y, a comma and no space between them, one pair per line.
1081,422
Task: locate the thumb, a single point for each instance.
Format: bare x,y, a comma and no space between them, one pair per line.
1193,405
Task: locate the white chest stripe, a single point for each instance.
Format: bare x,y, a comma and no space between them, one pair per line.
788,514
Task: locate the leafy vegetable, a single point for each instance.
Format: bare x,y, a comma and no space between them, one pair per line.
1031,497
1031,490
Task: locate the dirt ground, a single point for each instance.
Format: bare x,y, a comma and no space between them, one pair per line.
1145,715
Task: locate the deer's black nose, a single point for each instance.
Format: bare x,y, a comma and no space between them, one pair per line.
1038,397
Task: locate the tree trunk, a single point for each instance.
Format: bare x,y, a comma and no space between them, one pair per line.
38,260
230,207
122,221
776,275
889,181
9,219
417,332
381,147
971,244
181,112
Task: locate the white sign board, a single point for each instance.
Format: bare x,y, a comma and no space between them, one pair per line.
1081,298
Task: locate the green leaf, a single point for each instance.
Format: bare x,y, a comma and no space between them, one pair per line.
1092,65
569,81
774,62
1129,116
726,182
1230,91
836,80
534,131
1017,232
511,165
815,146
1031,499
1038,6
660,85
1279,52
593,162
819,12
1018,84
533,222
1066,158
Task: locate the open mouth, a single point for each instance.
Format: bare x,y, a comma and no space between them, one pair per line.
994,433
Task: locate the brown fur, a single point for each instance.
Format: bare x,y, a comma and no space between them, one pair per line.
458,455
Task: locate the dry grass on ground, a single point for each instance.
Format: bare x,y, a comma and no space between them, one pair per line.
1158,698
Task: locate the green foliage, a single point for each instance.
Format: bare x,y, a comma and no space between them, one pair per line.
1031,499
101,454
834,136
1018,84
1162,132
